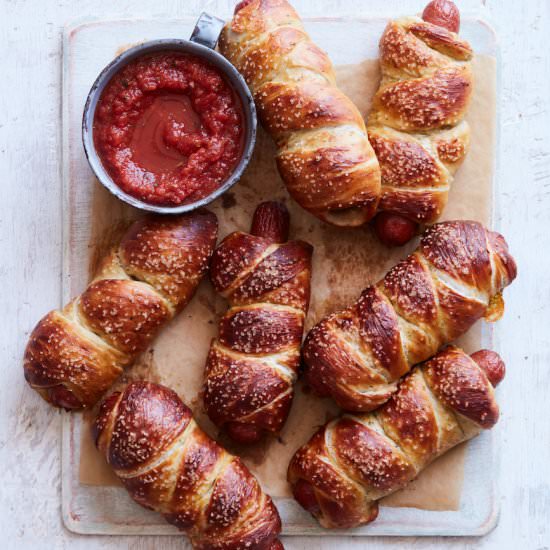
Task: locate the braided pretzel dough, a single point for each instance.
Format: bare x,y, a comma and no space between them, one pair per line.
73,356
453,279
354,460
324,155
168,464
252,366
416,125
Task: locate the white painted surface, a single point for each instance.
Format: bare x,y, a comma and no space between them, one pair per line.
30,237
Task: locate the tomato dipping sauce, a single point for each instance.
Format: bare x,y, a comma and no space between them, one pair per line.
169,128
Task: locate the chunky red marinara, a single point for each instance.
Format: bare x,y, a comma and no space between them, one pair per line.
169,128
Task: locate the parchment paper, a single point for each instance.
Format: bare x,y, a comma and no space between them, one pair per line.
345,261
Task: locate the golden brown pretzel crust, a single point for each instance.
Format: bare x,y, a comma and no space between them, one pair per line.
427,300
354,460
416,125
168,464
253,364
324,154
73,356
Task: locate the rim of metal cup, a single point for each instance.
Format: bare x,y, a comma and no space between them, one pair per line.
217,60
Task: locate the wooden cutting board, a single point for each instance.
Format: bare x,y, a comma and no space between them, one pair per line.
88,47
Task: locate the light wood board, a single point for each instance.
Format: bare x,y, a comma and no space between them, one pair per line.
108,510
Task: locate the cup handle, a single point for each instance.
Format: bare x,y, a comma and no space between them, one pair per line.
207,30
